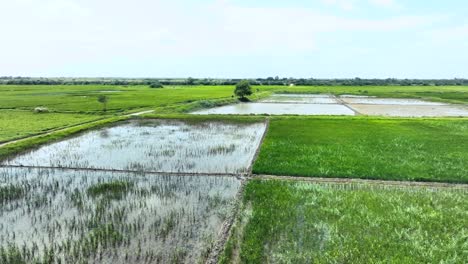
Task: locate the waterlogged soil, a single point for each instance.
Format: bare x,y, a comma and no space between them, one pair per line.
323,104
388,101
72,216
278,109
157,146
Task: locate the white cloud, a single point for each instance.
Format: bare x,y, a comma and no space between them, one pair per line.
356,4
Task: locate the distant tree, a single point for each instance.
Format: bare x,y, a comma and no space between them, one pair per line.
190,81
156,84
243,89
103,100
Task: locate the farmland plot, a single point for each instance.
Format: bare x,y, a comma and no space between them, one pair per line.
346,105
157,146
76,216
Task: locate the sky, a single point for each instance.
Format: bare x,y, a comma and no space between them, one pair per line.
234,38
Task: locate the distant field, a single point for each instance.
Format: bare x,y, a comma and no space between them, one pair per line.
83,98
16,124
294,222
392,149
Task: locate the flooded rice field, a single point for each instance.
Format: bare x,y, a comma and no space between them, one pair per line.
156,146
76,216
411,110
388,101
323,104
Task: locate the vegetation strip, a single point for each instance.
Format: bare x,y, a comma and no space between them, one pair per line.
14,140
33,142
238,175
318,180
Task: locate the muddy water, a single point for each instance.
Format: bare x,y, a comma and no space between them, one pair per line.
411,110
157,219
158,145
278,109
301,98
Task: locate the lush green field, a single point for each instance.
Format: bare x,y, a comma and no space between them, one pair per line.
392,149
297,222
83,98
17,124
77,98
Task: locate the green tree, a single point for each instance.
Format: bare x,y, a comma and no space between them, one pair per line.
103,100
190,81
243,89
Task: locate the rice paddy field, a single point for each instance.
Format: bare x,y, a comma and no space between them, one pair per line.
155,145
172,187
80,99
298,222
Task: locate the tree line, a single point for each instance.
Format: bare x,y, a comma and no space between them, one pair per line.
206,81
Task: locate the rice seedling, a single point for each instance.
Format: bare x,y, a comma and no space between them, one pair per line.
10,192
78,216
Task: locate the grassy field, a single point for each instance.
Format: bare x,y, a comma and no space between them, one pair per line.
297,222
392,149
18,124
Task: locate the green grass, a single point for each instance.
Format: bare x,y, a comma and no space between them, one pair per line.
17,124
373,148
297,222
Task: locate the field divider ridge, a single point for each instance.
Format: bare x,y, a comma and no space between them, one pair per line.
343,103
